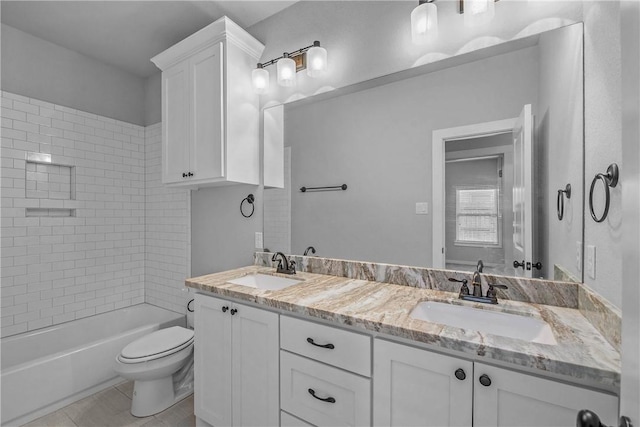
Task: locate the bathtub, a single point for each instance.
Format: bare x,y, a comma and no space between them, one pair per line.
46,369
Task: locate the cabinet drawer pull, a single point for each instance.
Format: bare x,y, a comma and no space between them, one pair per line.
485,380
329,346
460,374
328,399
233,311
224,309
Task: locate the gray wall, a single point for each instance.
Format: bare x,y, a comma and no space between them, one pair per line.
560,148
42,70
378,142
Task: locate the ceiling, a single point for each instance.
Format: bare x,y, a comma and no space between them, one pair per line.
126,34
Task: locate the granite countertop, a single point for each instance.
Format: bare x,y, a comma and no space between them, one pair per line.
581,353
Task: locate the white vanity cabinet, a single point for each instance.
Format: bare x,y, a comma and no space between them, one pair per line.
210,113
236,364
318,380
422,388
415,387
515,399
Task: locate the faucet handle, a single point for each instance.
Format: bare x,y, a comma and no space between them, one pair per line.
464,289
292,266
491,292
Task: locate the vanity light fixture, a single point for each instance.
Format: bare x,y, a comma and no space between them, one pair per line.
477,12
424,22
312,58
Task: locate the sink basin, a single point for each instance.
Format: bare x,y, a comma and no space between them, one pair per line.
264,281
491,322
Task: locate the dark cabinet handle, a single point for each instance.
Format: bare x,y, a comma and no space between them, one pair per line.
189,174
517,264
233,311
460,374
184,175
328,399
329,346
224,309
485,380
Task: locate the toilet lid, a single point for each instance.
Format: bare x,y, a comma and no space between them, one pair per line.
156,343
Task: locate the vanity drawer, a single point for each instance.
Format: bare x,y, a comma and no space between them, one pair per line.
300,377
288,420
351,351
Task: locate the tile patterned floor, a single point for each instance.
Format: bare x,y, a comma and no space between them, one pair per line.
110,408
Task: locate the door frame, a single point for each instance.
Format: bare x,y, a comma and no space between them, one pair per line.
438,139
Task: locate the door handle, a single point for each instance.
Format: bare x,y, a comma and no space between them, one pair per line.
586,418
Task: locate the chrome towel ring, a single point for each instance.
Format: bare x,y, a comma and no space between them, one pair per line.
610,179
560,201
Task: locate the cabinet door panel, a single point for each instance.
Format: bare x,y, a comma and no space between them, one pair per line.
415,387
255,367
212,359
175,123
207,116
516,399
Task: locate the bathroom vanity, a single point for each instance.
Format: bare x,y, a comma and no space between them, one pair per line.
332,350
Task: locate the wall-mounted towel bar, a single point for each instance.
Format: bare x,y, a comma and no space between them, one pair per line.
609,179
332,188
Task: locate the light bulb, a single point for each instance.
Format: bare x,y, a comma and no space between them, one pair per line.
260,78
478,12
286,70
424,23
316,60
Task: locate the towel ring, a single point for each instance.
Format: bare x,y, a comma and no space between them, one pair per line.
610,179
560,201
249,199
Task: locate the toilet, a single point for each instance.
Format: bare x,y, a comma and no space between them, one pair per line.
161,365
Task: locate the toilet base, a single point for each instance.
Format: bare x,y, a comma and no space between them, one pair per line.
154,396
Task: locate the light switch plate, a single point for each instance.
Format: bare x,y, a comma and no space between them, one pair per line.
259,242
422,208
591,261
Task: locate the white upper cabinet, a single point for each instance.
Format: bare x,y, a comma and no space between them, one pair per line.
210,113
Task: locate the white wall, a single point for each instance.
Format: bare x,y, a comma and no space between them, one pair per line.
56,269
42,70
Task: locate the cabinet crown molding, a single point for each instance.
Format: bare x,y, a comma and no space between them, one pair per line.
220,30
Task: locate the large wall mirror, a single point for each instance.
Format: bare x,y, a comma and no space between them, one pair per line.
446,164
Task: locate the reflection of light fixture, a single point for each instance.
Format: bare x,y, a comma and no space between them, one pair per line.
424,21
312,58
477,12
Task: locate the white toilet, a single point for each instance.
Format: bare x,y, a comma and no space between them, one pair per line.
161,365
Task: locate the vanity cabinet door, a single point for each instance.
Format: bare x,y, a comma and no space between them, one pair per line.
506,398
414,387
255,372
212,359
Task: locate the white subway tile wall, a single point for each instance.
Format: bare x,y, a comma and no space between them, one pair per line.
60,268
167,232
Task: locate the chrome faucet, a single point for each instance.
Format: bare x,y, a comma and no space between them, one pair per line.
289,267
310,248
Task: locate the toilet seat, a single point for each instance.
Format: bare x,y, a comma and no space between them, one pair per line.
156,345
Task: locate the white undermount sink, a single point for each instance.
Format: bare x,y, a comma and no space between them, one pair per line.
264,281
487,321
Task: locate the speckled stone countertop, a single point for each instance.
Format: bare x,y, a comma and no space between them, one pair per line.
581,353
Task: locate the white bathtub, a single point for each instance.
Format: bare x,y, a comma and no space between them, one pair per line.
49,368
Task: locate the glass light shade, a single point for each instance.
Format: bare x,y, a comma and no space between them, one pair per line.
424,23
260,78
286,69
316,61
478,12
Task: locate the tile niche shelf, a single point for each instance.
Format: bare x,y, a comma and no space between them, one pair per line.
49,187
